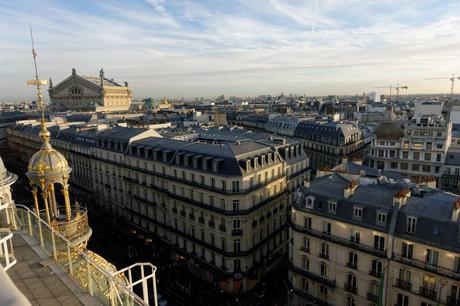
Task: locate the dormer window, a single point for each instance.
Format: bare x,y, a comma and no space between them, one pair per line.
332,207
309,202
381,218
411,224
357,213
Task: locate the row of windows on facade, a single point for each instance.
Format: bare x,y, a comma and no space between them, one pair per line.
411,222
381,216
427,156
262,177
272,244
415,144
235,230
405,166
407,250
264,215
424,133
401,299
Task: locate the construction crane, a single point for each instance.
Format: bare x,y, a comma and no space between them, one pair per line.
397,87
452,82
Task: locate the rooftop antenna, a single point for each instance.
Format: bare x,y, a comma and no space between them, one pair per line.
44,133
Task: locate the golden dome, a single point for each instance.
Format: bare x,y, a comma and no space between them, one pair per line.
48,164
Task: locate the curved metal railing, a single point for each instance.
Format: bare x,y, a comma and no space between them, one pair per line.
78,225
107,286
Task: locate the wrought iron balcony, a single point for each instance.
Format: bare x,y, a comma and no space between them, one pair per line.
425,266
237,232
77,229
403,284
375,273
352,265
453,300
323,255
428,293
372,297
350,288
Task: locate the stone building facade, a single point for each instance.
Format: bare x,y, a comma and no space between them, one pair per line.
89,93
361,241
329,143
219,200
417,148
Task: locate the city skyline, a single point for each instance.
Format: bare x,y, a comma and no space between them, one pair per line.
185,49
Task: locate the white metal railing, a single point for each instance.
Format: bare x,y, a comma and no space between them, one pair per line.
109,287
6,249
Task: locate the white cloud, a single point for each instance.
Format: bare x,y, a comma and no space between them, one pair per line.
186,48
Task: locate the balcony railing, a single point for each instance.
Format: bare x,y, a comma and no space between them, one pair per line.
428,293
375,273
337,239
308,274
403,284
323,255
350,288
453,300
77,229
426,266
86,268
372,297
237,232
352,265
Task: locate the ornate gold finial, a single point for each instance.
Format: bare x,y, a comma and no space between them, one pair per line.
44,133
164,101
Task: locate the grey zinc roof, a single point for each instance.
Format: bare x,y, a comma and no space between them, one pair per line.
221,144
432,208
369,172
331,185
120,133
326,129
374,195
436,206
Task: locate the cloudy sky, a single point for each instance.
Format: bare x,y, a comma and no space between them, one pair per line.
249,47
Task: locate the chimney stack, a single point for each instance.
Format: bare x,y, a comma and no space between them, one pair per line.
306,182
400,197
350,189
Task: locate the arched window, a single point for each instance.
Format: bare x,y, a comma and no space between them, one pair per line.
75,93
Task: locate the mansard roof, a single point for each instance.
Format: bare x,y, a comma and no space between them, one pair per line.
432,208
